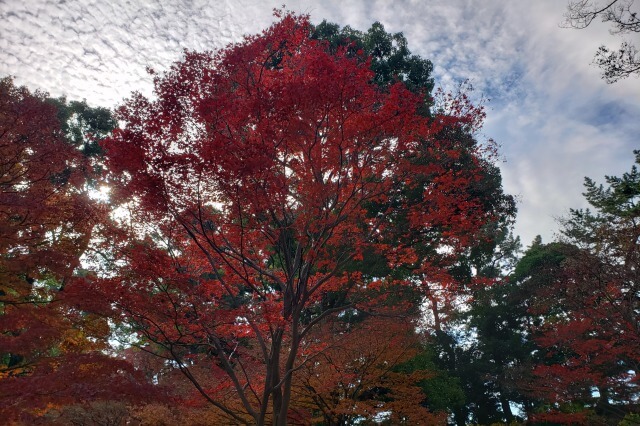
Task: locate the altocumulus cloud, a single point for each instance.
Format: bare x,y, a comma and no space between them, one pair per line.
100,50
554,118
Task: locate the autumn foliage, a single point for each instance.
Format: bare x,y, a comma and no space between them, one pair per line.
297,232
49,351
41,229
256,183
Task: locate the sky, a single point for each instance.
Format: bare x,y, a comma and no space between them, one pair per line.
553,117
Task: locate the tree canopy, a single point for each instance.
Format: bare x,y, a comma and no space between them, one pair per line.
298,231
261,181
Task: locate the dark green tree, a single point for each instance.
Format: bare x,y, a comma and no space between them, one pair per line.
84,126
561,337
600,293
391,59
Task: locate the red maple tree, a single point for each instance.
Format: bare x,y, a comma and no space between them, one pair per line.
255,183
49,352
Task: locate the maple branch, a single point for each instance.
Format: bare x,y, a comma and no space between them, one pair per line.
234,378
185,370
248,381
227,251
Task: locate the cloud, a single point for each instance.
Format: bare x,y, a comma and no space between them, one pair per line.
99,50
555,119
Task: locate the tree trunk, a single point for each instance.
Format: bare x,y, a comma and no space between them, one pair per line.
506,408
276,388
460,416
